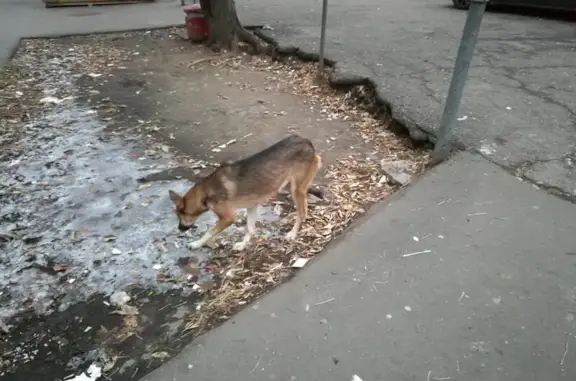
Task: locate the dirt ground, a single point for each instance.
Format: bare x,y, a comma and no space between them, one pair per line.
95,131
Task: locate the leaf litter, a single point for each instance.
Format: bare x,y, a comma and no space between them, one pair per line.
352,184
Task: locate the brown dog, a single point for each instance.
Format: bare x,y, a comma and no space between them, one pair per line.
248,183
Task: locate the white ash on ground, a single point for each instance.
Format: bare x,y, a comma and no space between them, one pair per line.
75,220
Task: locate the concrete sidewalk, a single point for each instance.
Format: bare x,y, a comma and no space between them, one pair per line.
29,18
492,296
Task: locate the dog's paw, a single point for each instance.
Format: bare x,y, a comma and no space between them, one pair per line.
291,236
239,246
195,245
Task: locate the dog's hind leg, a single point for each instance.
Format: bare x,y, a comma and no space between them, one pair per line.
251,218
299,187
226,218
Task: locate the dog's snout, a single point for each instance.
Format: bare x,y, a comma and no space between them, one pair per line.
184,228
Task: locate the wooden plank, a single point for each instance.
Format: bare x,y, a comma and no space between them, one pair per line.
76,3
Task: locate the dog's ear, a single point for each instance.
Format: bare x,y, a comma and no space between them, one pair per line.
176,199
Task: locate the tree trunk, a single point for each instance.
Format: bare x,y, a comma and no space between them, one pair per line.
224,27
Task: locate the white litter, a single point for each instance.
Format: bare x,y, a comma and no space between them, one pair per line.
300,262
94,75
52,100
416,238
116,251
356,378
462,118
119,298
408,308
93,373
157,267
416,253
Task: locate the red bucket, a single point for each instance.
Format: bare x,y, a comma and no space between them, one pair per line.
196,24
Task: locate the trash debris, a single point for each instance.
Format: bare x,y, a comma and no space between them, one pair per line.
356,378
52,100
120,299
415,238
116,251
93,373
160,355
408,308
4,327
463,118
300,262
157,267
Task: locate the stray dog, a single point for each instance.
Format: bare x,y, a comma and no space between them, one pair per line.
248,183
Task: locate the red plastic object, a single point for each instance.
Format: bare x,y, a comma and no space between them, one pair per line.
196,24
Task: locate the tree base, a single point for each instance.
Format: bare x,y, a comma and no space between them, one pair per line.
224,28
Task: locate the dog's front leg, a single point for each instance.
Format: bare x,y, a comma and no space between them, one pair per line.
222,224
251,218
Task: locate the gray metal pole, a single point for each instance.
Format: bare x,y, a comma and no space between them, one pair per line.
459,77
322,38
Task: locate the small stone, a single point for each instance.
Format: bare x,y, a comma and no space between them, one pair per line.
397,171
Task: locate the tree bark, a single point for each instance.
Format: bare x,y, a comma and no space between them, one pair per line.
224,27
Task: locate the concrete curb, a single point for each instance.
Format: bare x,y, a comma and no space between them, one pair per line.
14,48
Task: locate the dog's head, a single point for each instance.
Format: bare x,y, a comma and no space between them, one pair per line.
188,208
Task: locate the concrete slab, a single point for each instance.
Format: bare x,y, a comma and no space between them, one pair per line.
79,20
491,296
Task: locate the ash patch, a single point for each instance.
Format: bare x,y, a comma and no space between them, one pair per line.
77,225
80,220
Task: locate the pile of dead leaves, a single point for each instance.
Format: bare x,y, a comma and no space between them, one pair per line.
354,184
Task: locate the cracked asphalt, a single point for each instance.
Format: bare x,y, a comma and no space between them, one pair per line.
518,108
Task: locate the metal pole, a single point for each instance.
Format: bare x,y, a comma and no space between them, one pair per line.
459,77
322,38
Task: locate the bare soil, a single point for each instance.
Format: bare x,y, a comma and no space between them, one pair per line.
143,113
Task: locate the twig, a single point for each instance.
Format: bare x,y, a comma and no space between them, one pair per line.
477,214
198,61
326,301
564,355
135,371
257,363
429,373
416,253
